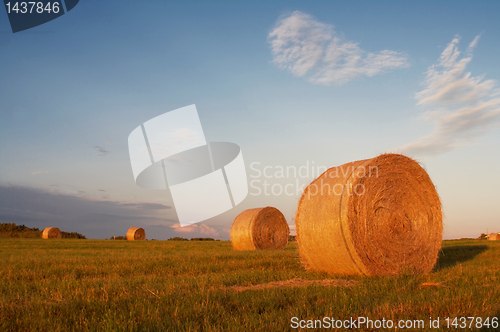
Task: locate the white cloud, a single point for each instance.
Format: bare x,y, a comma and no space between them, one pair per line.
307,47
200,229
463,107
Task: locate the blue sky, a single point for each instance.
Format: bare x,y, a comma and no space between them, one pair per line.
290,82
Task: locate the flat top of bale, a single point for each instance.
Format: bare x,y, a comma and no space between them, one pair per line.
136,233
51,233
270,229
403,216
374,217
259,228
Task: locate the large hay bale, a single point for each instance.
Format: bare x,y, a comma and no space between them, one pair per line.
494,237
379,216
261,228
51,233
136,234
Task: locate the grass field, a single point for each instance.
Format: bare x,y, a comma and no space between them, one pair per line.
104,285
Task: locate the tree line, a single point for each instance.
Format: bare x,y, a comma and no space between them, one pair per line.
11,230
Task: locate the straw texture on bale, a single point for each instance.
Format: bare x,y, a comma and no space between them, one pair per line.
260,228
51,233
494,237
379,216
136,234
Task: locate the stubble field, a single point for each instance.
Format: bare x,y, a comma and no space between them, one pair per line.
105,285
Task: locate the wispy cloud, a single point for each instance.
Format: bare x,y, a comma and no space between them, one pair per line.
101,151
462,107
312,49
146,206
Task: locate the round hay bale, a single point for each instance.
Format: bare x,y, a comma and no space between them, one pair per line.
261,228
51,233
136,234
494,237
379,216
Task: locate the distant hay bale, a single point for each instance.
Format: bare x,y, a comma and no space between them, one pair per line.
136,234
260,228
379,216
51,233
494,237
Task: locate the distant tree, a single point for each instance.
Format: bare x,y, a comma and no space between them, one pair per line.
118,238
177,239
483,236
202,239
292,238
72,235
11,230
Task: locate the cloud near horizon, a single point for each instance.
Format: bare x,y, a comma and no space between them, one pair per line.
462,107
93,218
196,228
312,49
96,219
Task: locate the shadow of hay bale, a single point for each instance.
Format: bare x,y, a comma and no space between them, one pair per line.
451,256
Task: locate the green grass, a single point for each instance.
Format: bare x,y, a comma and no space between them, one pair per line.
103,285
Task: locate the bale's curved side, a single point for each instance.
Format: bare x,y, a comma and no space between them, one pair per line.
51,233
371,217
494,237
260,228
136,234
